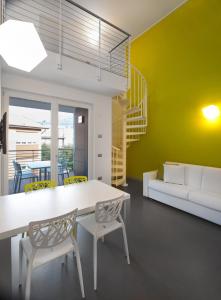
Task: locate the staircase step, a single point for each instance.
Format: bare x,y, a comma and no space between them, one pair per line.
119,159
117,174
136,119
136,126
117,166
132,140
135,133
132,110
117,182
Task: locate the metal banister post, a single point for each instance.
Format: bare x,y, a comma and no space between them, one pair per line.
2,17
60,37
129,65
99,51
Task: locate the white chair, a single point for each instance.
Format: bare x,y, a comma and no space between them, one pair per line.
49,239
106,219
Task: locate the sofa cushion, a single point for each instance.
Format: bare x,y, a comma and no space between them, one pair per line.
193,176
174,173
176,190
211,180
210,200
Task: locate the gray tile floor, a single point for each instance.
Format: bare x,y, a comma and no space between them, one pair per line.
174,256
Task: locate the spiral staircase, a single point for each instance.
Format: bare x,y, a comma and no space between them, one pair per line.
129,122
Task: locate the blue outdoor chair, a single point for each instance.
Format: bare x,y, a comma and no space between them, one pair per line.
21,174
62,170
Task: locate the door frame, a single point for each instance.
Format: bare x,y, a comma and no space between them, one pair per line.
55,102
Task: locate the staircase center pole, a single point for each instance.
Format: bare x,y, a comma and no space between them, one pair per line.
60,37
124,147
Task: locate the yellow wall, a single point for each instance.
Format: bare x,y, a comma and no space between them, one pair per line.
181,60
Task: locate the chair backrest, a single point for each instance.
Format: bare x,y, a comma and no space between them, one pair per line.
75,179
17,167
108,211
63,165
39,185
50,233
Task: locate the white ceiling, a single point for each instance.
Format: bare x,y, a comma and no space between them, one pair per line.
133,16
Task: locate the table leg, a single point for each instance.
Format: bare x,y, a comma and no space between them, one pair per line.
5,269
15,266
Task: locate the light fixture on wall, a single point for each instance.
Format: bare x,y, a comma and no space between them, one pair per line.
211,112
20,45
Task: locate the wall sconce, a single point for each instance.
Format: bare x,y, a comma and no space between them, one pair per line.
211,112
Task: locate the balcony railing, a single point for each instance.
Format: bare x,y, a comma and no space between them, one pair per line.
69,29
24,157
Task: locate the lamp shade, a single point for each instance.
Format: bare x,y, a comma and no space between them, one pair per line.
20,45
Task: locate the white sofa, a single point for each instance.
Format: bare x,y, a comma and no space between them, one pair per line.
200,194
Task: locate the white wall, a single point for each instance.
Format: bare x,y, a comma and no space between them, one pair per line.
100,119
75,74
0,116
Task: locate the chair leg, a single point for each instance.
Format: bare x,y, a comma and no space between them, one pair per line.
95,263
15,184
20,263
125,209
28,281
79,270
19,184
125,243
65,262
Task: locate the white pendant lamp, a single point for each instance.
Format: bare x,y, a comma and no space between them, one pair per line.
20,45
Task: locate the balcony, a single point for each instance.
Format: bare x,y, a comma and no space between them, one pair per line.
67,165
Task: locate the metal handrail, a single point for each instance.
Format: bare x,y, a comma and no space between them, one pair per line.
71,30
96,16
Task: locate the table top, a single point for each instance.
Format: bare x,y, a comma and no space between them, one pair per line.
39,164
17,210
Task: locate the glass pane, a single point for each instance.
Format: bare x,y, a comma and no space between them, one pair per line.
29,143
72,141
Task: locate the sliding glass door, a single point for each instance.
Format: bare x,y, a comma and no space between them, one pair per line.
46,140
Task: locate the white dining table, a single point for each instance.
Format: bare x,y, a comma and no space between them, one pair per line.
17,210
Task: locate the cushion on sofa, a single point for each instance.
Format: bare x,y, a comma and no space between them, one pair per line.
211,180
176,190
174,173
193,176
210,200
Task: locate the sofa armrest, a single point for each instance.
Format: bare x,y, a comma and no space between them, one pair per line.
146,177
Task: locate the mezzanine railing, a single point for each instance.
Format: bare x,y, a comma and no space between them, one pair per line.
69,29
